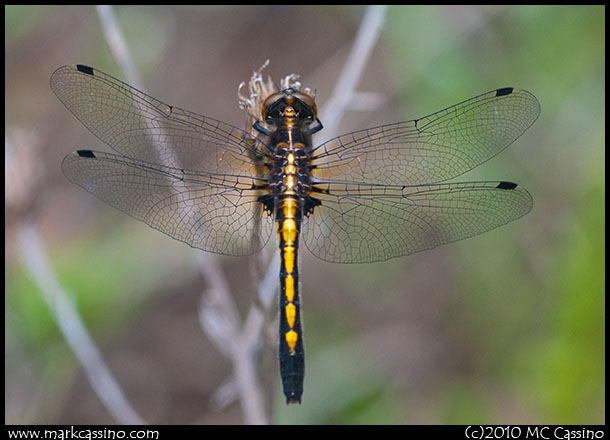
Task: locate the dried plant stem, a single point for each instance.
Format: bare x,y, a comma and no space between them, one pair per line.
118,47
358,58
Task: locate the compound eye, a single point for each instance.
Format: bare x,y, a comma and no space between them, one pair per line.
269,102
309,103
272,99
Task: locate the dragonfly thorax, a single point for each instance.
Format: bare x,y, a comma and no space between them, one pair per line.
290,172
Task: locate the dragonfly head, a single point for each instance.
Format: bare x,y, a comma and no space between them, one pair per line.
289,105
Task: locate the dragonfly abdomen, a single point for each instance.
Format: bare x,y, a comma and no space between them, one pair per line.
291,353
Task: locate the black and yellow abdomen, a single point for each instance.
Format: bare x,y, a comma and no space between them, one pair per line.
291,353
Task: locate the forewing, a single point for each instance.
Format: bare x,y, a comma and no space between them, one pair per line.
141,127
213,212
431,149
360,223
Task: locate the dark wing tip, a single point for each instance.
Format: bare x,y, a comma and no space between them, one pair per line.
506,185
504,91
85,153
85,69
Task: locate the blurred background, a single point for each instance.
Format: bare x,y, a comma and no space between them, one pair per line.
507,327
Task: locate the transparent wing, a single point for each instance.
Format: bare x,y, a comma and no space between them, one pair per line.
431,149
141,127
362,223
214,212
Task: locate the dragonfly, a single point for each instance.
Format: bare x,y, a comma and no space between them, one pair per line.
366,196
